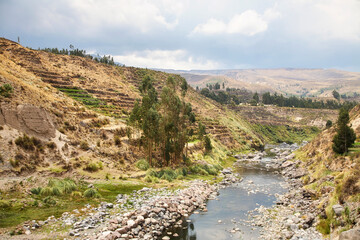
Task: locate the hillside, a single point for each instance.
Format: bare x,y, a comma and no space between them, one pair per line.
80,105
300,82
334,179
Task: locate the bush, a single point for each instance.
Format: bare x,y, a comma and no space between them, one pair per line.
6,90
76,194
51,145
207,143
84,146
151,179
46,191
36,191
56,191
117,141
4,204
91,193
142,164
93,167
49,200
328,123
25,142
166,174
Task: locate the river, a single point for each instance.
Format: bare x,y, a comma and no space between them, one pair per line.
228,215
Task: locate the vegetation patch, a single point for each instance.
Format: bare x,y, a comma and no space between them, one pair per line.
142,164
28,143
93,167
279,133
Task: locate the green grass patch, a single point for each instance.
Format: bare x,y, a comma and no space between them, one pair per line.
278,134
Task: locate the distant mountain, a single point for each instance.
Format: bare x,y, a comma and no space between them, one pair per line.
300,82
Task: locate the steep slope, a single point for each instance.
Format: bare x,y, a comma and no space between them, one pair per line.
334,179
84,104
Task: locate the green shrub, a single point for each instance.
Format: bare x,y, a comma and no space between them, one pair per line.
181,171
36,191
207,143
76,194
49,200
203,172
148,179
6,90
4,204
93,167
324,226
56,191
46,191
142,164
151,172
91,193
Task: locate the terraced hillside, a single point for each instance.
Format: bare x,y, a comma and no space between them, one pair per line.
86,104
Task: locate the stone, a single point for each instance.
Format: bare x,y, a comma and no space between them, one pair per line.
338,209
352,234
166,238
131,223
27,232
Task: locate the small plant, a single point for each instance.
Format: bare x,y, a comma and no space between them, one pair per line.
91,193
84,146
6,90
36,191
107,176
51,145
76,194
14,163
46,191
117,140
49,201
142,164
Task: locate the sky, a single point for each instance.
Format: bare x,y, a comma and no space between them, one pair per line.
194,34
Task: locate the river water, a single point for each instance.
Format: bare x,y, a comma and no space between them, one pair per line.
228,216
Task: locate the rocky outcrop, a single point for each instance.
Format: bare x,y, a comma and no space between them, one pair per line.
29,119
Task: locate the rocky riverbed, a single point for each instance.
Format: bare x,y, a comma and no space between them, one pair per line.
294,216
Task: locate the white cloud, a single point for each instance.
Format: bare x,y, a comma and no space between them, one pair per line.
247,23
88,17
324,20
166,59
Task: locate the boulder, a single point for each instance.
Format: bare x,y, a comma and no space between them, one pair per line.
352,234
338,209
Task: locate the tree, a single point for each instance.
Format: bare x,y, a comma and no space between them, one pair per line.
328,123
217,86
336,95
207,143
223,85
267,98
256,97
345,135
